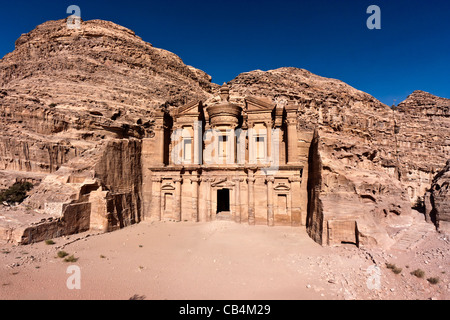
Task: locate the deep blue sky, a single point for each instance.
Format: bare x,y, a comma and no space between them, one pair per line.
329,38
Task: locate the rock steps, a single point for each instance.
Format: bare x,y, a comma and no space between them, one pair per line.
413,235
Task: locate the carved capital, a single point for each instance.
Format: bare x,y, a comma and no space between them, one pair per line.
270,179
177,179
251,180
295,179
291,121
268,124
195,179
177,126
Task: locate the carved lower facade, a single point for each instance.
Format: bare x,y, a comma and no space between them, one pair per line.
243,195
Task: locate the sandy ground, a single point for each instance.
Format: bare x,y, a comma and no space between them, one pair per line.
219,260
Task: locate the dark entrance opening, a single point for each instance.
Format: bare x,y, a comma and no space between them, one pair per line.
223,200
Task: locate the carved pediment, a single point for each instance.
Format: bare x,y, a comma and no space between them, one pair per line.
258,105
192,108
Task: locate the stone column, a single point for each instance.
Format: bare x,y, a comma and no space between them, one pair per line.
155,209
178,198
237,200
198,143
270,215
251,198
251,145
209,199
303,199
159,137
195,199
208,137
292,140
241,147
269,141
297,219
202,200
291,121
175,144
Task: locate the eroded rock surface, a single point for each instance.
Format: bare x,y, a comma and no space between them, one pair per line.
437,200
369,163
74,105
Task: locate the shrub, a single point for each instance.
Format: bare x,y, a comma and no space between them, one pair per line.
71,259
16,193
433,280
62,254
390,265
418,273
394,268
49,242
397,270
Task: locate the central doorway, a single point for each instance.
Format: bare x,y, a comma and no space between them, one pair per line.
223,200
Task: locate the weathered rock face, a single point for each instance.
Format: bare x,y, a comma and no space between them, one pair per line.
410,143
62,89
74,105
351,204
368,163
437,200
303,87
101,58
120,172
100,190
423,140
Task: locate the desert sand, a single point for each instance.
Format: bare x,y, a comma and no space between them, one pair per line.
218,260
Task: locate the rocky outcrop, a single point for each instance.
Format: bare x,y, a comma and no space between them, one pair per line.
302,87
349,204
421,103
63,90
102,58
100,191
119,201
410,142
74,106
422,142
437,200
368,163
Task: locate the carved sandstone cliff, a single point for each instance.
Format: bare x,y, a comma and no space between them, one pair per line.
75,106
368,163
